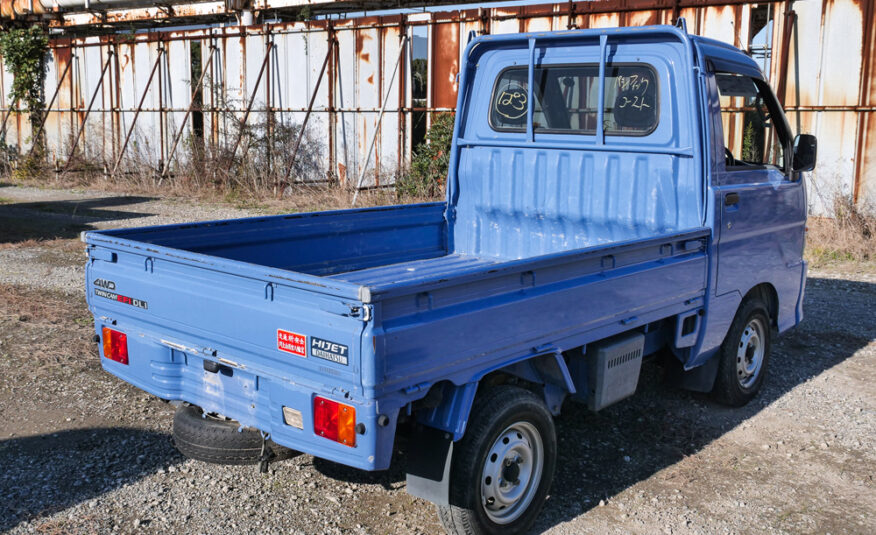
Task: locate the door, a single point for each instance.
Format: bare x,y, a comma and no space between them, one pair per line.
760,205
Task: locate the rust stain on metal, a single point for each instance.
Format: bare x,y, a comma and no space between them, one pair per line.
361,37
864,144
445,54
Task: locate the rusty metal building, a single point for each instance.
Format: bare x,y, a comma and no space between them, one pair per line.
124,76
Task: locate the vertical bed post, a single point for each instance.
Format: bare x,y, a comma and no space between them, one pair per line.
529,92
600,110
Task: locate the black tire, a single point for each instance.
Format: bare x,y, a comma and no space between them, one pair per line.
733,385
219,441
499,411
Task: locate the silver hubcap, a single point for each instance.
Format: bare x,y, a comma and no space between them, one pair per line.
749,354
512,472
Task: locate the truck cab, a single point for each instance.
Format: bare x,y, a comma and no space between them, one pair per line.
613,195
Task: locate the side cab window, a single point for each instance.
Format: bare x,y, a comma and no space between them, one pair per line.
756,135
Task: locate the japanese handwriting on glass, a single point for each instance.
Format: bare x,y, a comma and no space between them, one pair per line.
632,90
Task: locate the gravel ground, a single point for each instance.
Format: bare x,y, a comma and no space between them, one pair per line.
83,452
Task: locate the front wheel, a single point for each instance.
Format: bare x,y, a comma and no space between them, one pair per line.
503,467
744,355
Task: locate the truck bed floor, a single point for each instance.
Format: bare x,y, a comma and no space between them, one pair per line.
415,269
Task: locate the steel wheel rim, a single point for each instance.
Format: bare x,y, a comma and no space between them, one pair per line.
750,352
512,472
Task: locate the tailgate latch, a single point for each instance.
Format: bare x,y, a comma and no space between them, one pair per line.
360,311
101,254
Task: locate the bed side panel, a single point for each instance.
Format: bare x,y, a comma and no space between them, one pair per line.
314,243
472,325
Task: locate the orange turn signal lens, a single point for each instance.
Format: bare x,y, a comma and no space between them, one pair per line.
115,345
334,421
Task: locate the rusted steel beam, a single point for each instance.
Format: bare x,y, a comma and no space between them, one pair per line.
787,30
332,170
252,98
291,163
863,129
401,51
559,9
36,136
137,113
88,111
182,127
814,108
269,147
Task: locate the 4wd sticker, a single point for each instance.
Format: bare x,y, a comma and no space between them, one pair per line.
328,350
291,342
105,284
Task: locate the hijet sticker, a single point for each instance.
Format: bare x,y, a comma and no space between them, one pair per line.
292,342
327,350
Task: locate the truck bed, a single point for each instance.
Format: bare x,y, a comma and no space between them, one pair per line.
381,282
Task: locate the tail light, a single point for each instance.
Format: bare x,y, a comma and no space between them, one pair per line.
334,421
115,345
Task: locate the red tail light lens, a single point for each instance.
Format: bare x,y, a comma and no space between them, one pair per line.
334,421
115,345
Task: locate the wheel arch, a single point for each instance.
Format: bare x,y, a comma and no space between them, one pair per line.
768,294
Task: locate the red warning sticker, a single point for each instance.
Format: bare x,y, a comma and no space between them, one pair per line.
291,342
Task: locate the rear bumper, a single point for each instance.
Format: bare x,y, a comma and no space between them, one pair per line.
255,399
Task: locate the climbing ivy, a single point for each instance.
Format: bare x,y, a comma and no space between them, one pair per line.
24,52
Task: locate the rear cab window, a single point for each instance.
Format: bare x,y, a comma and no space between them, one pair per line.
566,99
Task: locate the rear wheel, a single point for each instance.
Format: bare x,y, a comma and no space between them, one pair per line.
503,468
744,355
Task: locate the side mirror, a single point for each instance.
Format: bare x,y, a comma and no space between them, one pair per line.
805,148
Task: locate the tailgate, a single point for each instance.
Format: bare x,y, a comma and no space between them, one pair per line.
255,317
253,343
260,321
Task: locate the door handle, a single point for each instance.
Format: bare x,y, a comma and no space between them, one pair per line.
730,199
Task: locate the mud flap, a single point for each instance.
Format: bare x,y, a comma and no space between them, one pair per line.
428,465
699,379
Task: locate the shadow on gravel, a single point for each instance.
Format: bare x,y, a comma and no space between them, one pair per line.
47,473
51,220
388,479
604,453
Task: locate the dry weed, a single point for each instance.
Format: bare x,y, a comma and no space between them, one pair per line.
848,236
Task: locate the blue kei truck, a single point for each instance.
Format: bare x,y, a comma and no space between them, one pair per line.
599,211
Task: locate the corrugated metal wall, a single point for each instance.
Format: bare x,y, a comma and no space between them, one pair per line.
823,53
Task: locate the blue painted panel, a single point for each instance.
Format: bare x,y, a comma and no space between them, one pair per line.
465,328
519,203
761,238
517,199
726,58
315,243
